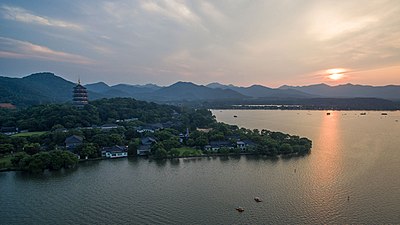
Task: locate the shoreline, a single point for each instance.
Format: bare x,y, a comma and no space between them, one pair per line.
10,169
304,109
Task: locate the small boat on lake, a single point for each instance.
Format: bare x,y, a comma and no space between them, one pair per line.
363,114
235,116
328,114
239,209
257,199
384,114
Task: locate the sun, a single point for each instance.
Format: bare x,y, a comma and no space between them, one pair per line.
335,74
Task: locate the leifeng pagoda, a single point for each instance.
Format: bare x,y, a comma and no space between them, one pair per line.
80,96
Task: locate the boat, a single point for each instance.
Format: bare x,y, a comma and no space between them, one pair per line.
239,209
257,199
363,114
328,114
235,116
384,114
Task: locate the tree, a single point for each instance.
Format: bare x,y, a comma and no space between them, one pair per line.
160,153
6,148
286,148
70,160
115,139
174,152
101,140
89,150
56,160
133,146
32,148
224,150
201,141
171,143
15,160
36,164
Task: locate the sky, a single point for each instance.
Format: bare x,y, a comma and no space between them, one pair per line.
241,42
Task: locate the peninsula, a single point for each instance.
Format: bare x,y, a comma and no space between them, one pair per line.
45,136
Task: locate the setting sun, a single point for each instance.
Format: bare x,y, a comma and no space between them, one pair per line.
335,74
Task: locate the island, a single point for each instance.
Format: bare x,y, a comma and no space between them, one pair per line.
55,136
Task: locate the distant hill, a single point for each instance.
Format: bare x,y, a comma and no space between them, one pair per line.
38,88
259,91
123,90
99,87
391,92
188,91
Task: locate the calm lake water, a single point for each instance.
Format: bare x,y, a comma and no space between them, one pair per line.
353,156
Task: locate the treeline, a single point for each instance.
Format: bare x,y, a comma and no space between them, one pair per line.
52,117
51,160
43,151
44,117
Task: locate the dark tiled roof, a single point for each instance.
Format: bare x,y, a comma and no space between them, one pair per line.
115,148
74,139
219,144
148,141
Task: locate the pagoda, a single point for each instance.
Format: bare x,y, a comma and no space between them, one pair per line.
80,96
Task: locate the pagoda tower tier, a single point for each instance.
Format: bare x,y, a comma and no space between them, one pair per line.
80,95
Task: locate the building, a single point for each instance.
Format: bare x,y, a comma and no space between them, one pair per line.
143,150
9,130
183,137
145,146
73,141
216,145
245,144
80,96
150,128
109,126
115,151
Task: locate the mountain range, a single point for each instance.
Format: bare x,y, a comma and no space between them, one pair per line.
46,87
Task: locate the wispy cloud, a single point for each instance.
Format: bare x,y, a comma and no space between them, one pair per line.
176,10
22,15
11,48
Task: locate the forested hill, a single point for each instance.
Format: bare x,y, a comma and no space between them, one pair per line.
38,88
98,112
45,88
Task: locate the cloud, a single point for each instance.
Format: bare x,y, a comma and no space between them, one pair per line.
212,13
175,10
22,15
11,48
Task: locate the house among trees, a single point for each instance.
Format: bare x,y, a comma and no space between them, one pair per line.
150,128
115,151
217,145
127,120
73,141
9,130
185,136
145,146
244,145
109,126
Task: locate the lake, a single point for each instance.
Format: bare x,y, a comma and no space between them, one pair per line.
351,176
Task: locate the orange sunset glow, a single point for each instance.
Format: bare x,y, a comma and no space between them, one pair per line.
335,74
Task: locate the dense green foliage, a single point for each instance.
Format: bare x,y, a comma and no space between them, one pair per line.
38,151
52,160
45,117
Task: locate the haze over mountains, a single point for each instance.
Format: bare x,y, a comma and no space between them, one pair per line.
46,87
